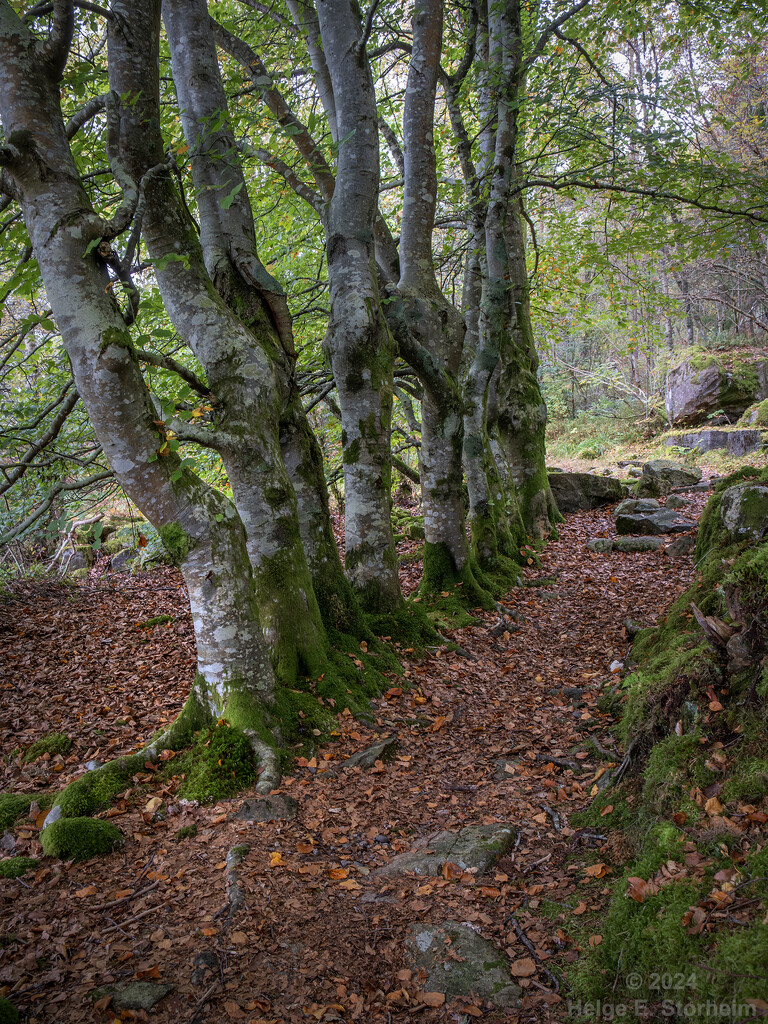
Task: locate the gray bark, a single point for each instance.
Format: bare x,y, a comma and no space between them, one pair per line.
359,343
198,525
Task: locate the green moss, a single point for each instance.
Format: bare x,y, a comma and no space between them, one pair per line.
12,806
114,336
8,1012
186,832
749,782
674,765
53,743
176,542
96,789
80,838
16,866
158,620
220,765
448,591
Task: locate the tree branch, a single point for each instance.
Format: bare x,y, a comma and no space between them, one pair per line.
37,446
168,363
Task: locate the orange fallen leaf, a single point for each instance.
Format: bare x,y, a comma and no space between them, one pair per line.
337,873
451,870
523,968
597,870
149,972
595,940
209,931
276,859
89,890
580,908
432,998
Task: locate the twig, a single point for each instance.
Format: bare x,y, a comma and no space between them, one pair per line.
137,917
126,899
530,947
203,1000
542,860
552,813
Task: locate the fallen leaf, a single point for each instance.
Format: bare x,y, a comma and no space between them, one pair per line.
595,940
89,890
276,859
597,870
432,998
523,968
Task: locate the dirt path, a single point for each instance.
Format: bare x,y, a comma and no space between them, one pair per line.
481,739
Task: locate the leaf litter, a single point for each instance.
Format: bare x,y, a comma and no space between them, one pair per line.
485,735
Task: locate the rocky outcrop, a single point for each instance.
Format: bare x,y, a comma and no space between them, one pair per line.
576,492
705,382
736,442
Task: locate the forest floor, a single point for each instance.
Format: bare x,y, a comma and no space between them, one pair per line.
499,735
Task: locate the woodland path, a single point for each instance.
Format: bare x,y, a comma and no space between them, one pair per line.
321,937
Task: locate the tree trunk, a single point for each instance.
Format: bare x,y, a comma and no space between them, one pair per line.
243,366
358,341
199,527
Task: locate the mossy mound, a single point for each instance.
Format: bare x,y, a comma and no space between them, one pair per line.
220,764
13,805
16,866
80,838
690,818
8,1012
96,790
53,743
157,620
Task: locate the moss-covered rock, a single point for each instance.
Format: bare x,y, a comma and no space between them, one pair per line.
703,382
80,838
13,867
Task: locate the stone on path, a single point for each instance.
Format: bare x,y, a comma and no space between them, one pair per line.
632,544
602,545
476,846
676,502
459,962
277,807
584,491
367,758
682,546
653,523
660,476
634,506
134,995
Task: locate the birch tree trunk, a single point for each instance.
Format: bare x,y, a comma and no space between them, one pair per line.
199,527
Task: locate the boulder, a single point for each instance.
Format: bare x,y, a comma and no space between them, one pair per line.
660,476
635,506
756,415
602,545
121,561
676,502
576,492
477,846
459,962
632,544
744,511
652,524
704,382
